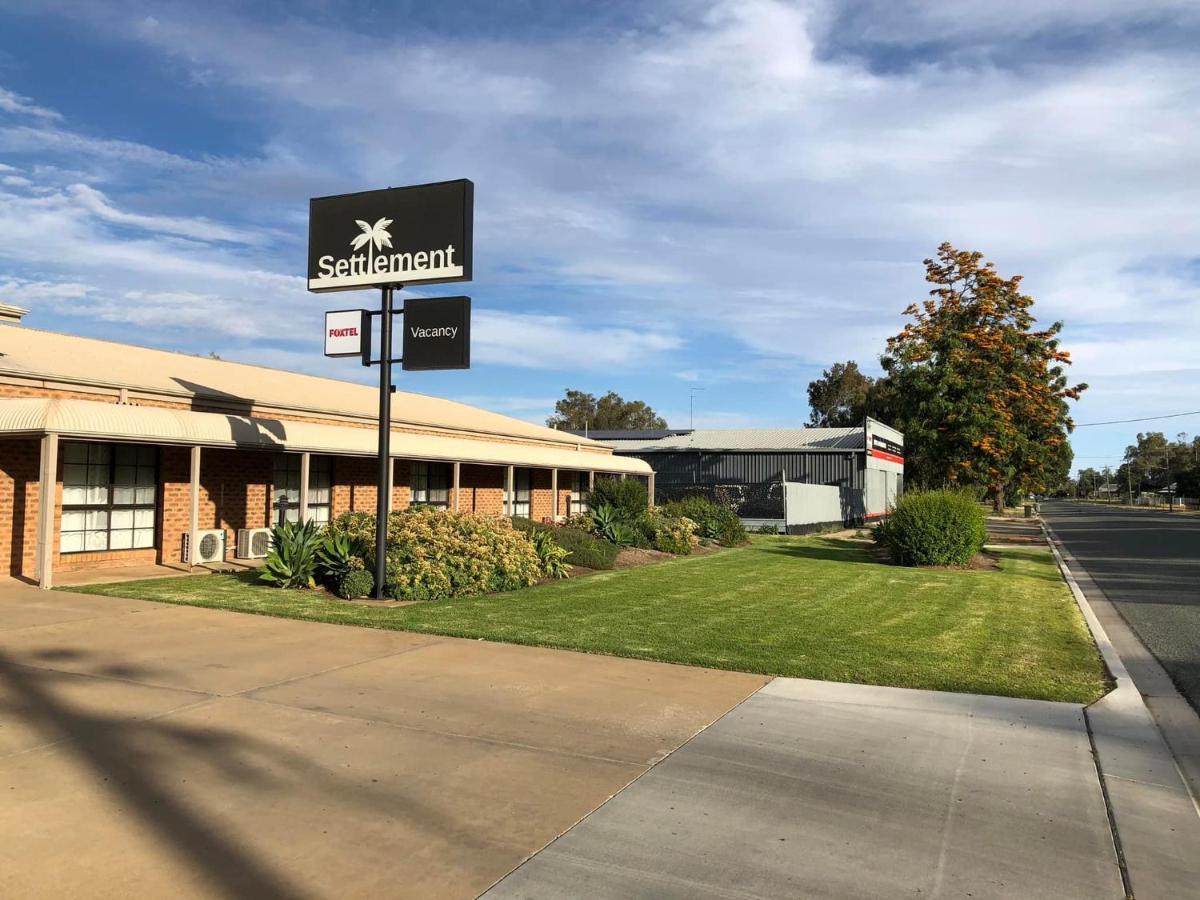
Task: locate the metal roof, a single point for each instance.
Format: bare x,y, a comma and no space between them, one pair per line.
773,440
651,434
91,419
62,360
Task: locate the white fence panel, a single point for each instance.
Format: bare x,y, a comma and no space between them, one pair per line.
811,504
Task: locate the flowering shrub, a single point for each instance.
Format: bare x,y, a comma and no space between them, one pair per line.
713,521
434,554
667,533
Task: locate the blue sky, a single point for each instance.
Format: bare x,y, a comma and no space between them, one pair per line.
729,196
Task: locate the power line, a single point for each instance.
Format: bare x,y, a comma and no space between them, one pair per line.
1195,412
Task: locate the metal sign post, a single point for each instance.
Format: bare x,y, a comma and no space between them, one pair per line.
386,239
385,438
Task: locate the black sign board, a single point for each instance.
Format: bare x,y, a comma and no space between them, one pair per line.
437,333
879,442
410,235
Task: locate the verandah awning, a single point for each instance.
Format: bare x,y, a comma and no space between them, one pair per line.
92,420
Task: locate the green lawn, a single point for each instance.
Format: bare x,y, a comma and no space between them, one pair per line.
807,607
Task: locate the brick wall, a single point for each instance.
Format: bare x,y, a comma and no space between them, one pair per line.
353,485
105,559
19,487
235,492
542,496
481,490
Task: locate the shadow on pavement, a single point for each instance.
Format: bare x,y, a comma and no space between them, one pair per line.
137,761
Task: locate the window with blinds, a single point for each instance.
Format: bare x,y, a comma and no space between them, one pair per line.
109,497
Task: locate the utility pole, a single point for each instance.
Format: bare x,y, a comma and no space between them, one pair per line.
692,408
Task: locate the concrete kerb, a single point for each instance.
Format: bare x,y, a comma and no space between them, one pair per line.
1155,817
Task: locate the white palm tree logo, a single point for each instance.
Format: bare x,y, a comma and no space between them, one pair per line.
375,237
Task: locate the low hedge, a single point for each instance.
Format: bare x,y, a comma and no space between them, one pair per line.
585,549
435,554
934,528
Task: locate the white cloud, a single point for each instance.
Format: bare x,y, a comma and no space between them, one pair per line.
202,229
17,105
555,342
41,139
730,174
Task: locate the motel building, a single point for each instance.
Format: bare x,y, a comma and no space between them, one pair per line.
151,457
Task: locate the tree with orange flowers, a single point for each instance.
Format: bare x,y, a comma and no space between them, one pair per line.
980,393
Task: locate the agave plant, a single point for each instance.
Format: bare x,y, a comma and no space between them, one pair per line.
336,555
292,559
605,521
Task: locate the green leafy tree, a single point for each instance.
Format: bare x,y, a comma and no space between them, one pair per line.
980,393
578,411
839,398
1088,482
1155,462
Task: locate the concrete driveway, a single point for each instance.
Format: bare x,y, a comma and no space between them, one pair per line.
150,750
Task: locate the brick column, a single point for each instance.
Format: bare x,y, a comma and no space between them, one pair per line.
193,506
47,500
305,464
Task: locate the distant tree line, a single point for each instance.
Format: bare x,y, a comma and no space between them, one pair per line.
579,411
1151,465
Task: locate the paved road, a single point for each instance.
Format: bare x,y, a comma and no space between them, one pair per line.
1148,565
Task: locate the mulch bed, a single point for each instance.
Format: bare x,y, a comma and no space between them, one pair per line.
632,557
983,561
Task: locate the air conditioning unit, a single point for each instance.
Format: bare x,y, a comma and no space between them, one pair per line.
210,547
253,543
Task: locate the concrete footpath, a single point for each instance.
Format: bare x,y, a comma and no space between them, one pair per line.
815,789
